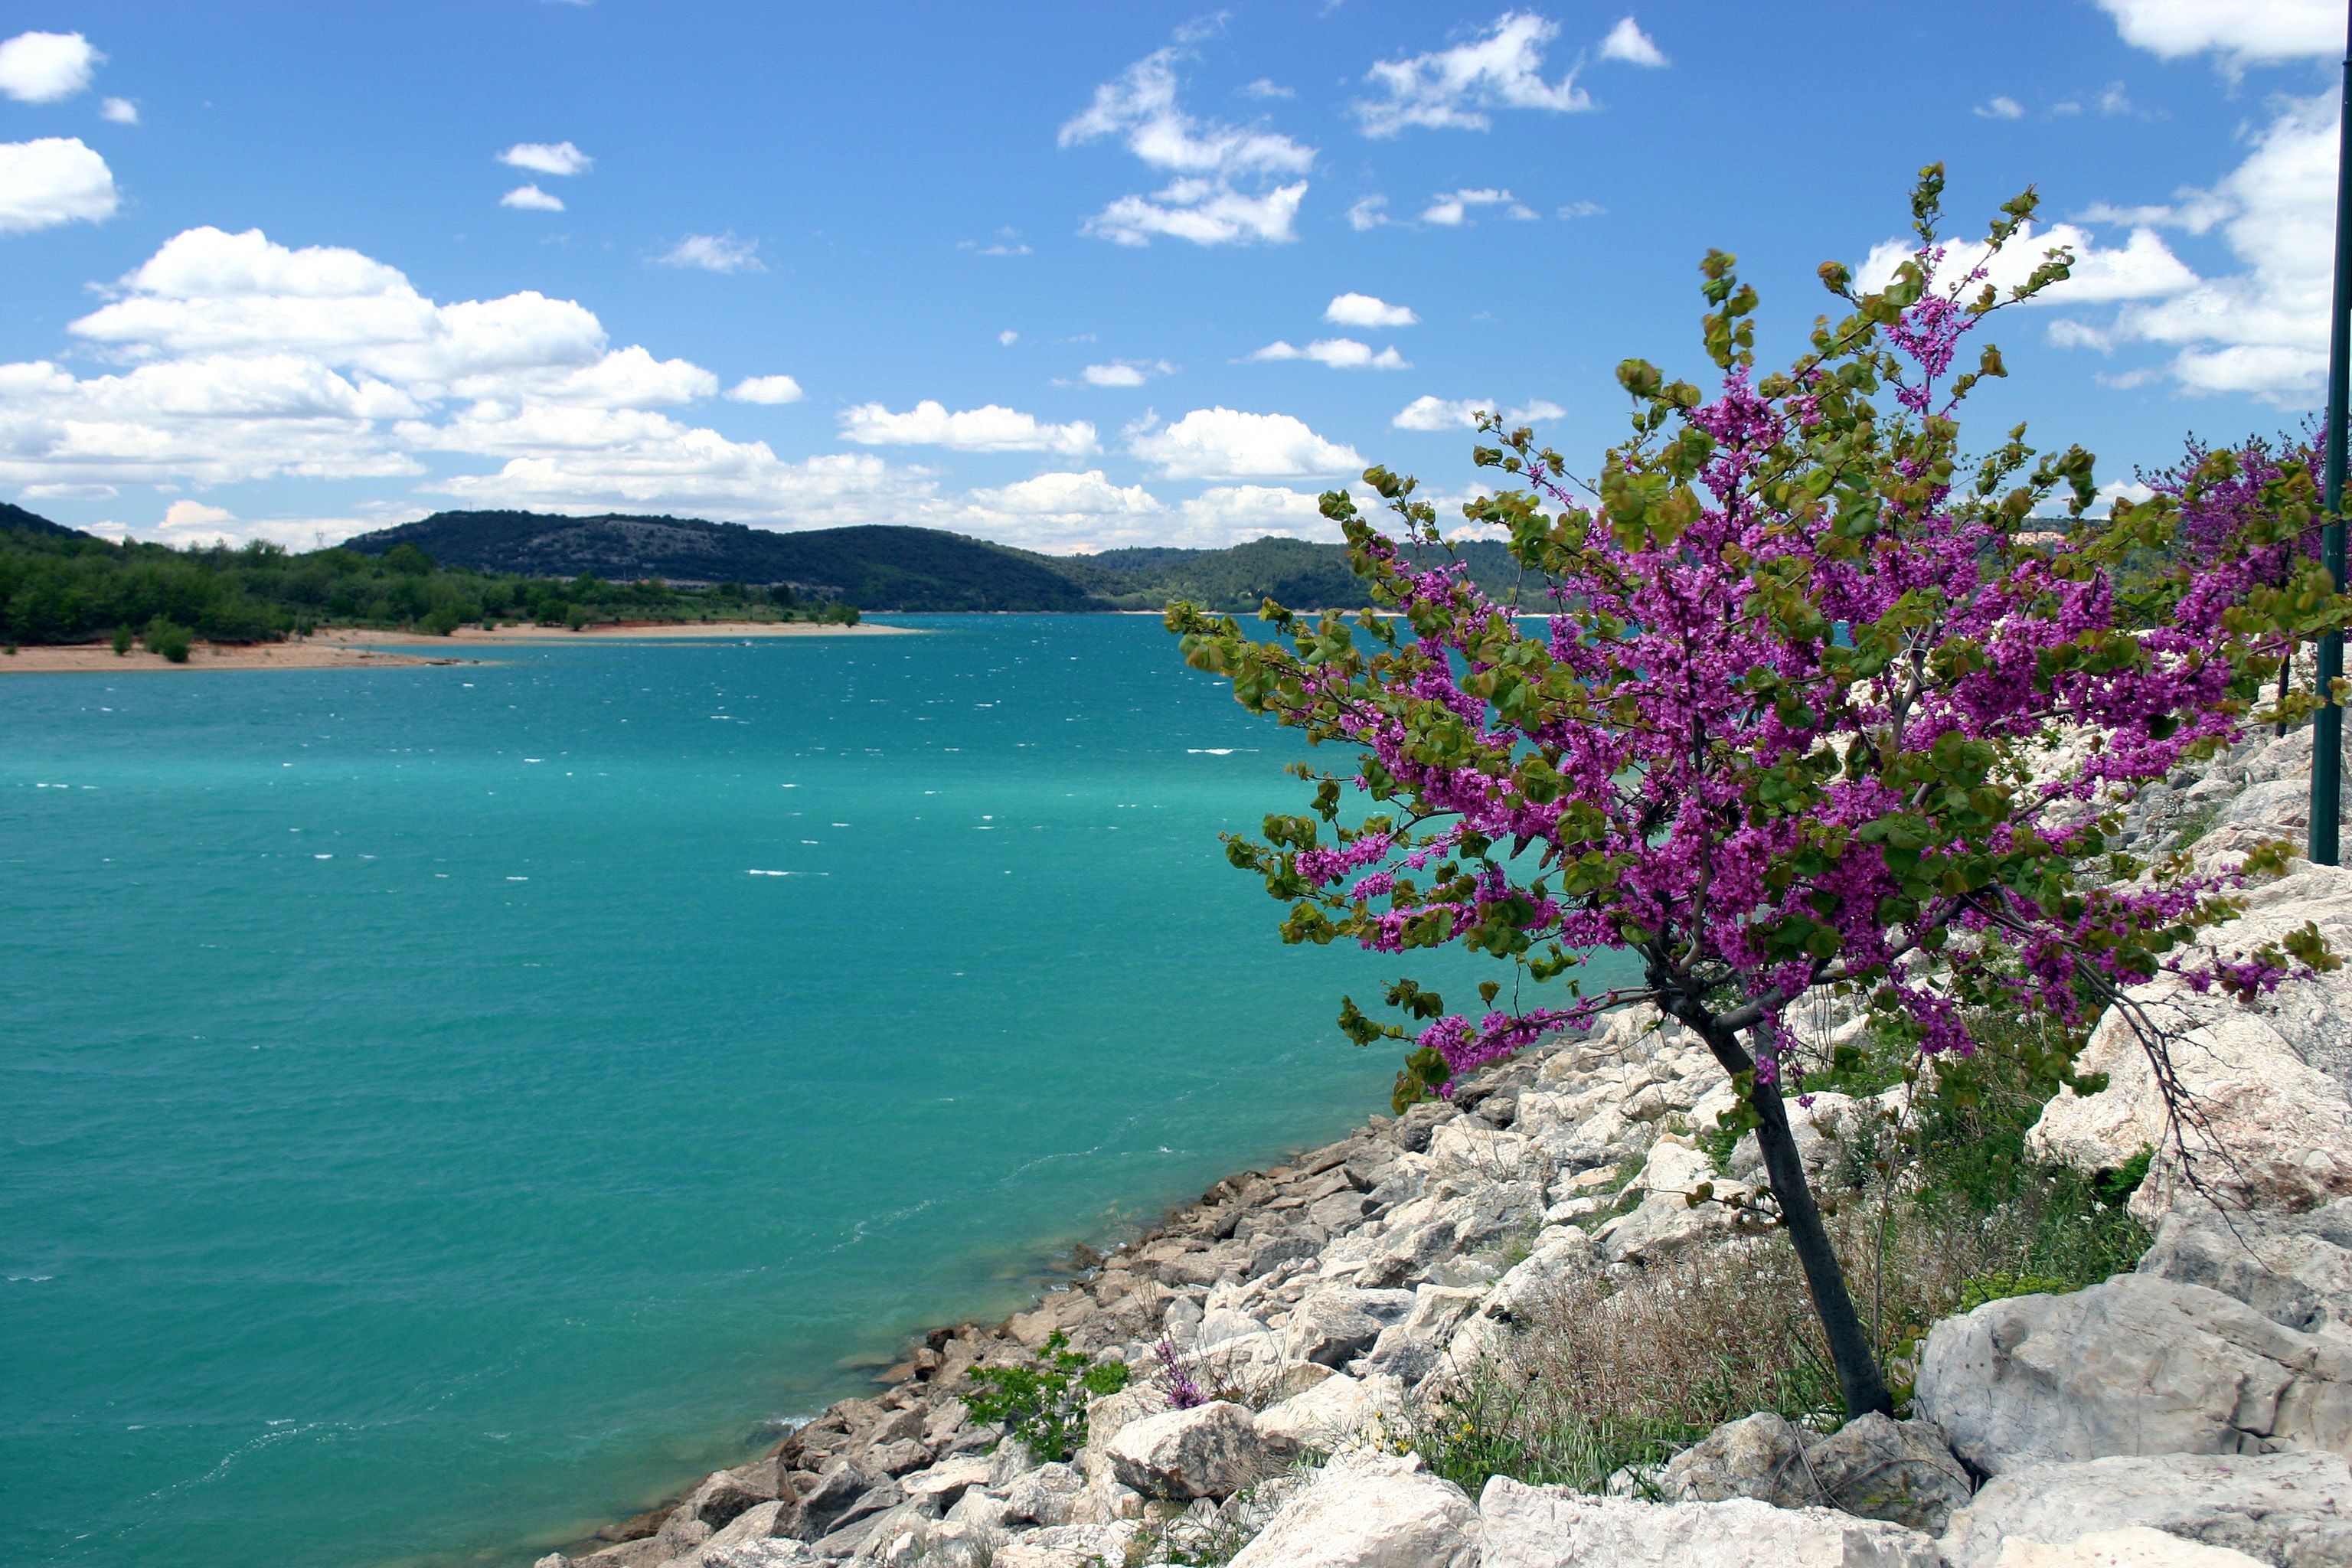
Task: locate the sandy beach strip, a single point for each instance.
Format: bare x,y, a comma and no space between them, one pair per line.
355,647
99,658
702,631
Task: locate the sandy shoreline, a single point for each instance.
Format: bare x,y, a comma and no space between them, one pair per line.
99,658
707,631
355,647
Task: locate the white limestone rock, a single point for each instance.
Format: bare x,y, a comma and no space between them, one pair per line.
2137,1366
2134,1546
1370,1511
2272,1082
1211,1451
1327,1417
2288,1511
1552,1527
1874,1468
1070,1546
1666,1221
2297,1271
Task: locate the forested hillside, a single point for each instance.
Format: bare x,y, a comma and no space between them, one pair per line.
60,586
903,569
57,584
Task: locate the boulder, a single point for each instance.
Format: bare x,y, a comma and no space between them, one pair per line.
2289,1511
1752,1458
1899,1471
1326,1417
2134,1546
1211,1451
1372,1511
1873,1468
844,1492
2137,1366
1412,1349
1223,1323
1527,1285
1043,1496
1271,1251
2293,1271
946,1481
1408,1251
1332,1326
1069,1546
770,1553
729,1493
1666,1221
1107,1415
1553,1527
2273,1083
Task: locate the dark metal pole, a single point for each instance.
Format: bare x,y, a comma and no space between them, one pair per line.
2328,731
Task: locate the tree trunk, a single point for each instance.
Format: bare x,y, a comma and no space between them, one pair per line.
1860,1381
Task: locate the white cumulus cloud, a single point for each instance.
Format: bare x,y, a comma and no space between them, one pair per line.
1368,310
248,360
42,68
50,181
1339,354
1370,212
2143,268
2246,32
988,428
1998,107
765,389
531,199
547,158
1223,189
714,253
119,111
1228,444
1627,42
1065,511
1451,209
1222,515
1430,411
1501,68
1127,372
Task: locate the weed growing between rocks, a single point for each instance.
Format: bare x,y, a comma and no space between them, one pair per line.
1044,1405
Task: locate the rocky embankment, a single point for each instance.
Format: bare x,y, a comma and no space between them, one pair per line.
2196,1412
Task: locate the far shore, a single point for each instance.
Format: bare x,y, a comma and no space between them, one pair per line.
99,658
721,631
355,647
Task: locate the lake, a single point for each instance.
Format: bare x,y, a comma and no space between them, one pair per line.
448,1107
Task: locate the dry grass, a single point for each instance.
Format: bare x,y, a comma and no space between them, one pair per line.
1611,1374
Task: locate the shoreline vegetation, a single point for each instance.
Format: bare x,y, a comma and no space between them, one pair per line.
60,587
357,649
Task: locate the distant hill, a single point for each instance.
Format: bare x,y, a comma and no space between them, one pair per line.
16,517
892,568
873,568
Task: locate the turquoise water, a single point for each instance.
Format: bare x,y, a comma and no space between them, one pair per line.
426,1137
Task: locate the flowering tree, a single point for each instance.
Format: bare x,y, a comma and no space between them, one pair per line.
2220,491
1787,720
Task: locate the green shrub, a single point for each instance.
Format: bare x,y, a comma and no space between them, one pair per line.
442,622
123,637
1975,1293
575,616
1044,1404
171,641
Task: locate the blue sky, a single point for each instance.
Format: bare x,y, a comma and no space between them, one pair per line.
1071,277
